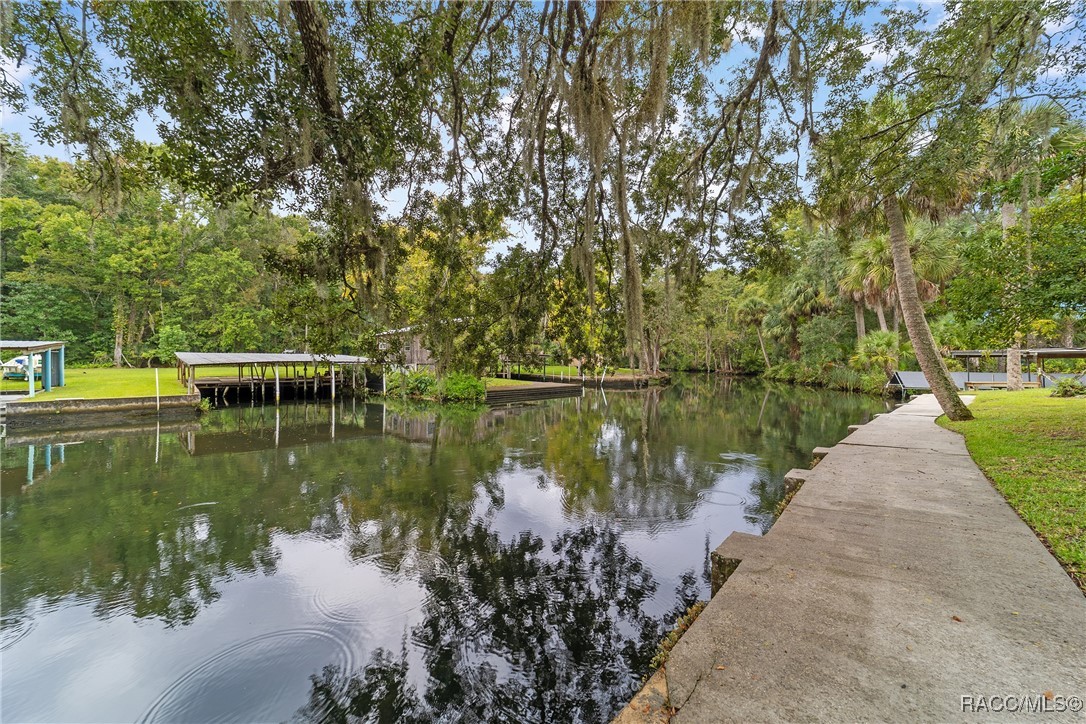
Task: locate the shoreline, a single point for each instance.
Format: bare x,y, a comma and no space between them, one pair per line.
77,412
898,580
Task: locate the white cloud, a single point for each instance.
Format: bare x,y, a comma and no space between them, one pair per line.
19,74
875,56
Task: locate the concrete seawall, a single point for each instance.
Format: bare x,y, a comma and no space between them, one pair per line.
83,413
898,585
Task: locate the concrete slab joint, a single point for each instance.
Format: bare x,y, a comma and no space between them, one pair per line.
795,478
729,554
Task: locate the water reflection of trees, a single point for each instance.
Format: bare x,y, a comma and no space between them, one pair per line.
153,539
515,630
541,629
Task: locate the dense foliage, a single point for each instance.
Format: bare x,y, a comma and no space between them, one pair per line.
642,184
165,271
828,313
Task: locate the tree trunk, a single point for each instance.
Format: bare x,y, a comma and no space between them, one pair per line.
881,315
631,265
1007,217
118,334
1067,334
897,315
1014,367
861,324
761,343
935,371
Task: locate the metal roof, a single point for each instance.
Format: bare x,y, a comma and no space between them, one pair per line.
199,359
26,345
913,380
1044,352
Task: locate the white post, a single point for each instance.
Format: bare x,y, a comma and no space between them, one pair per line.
158,403
277,398
333,368
30,371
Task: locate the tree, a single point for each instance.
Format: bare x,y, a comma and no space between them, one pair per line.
751,311
923,127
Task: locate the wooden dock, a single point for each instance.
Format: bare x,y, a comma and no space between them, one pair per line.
259,374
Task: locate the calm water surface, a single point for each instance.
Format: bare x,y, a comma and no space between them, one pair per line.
385,563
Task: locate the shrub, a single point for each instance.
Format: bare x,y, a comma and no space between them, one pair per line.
843,378
420,383
880,351
1069,387
461,387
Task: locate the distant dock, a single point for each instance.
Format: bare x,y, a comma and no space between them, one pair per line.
532,391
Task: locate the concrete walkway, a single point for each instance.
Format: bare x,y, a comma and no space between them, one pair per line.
896,582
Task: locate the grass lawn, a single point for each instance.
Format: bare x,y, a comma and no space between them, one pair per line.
502,382
1033,448
98,383
568,370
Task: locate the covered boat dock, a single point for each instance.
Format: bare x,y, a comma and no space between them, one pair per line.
46,356
264,373
1033,372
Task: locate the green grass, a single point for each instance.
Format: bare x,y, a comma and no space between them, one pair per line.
107,383
1033,448
502,382
569,370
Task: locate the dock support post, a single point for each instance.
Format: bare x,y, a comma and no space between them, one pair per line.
60,369
158,403
30,371
277,392
47,370
333,369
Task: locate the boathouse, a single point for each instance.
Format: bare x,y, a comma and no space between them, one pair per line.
263,374
37,360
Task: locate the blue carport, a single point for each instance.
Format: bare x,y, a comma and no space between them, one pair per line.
51,354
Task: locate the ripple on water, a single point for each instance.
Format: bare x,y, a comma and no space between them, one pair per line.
14,632
260,679
721,497
376,592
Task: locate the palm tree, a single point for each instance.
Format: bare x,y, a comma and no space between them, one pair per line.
751,311
870,272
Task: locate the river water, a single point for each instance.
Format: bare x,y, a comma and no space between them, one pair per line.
388,563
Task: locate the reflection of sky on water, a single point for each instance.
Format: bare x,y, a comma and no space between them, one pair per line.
201,574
